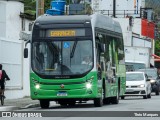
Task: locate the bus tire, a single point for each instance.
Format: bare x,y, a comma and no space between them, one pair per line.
157,92
44,104
98,102
63,104
72,103
145,97
115,100
122,97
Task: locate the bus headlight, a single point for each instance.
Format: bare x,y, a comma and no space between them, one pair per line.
88,85
37,86
89,82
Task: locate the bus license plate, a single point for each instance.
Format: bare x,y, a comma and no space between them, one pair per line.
62,94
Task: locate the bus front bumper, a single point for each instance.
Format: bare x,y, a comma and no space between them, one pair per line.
65,94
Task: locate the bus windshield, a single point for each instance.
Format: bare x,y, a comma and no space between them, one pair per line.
62,57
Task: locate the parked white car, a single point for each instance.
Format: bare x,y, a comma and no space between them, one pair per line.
137,84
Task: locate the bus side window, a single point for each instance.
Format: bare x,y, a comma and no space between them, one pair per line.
102,65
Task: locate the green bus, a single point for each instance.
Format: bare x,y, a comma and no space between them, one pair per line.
75,59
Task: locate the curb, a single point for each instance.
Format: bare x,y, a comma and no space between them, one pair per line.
8,108
30,106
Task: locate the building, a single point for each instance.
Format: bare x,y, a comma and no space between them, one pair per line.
12,23
122,7
138,27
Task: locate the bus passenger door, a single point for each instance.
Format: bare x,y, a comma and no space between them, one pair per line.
111,68
110,73
99,62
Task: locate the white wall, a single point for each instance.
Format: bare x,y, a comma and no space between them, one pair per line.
2,19
11,47
26,64
137,25
126,30
11,50
2,24
129,37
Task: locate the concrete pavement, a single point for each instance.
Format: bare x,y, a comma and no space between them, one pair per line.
21,103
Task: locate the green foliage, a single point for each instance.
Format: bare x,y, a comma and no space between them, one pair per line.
31,12
30,5
157,47
47,5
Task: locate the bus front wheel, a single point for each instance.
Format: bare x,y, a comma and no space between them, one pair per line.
72,103
122,97
98,102
44,103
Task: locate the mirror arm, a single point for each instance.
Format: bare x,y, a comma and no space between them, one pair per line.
27,43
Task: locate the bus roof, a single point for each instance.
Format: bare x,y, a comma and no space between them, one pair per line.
106,22
97,20
46,19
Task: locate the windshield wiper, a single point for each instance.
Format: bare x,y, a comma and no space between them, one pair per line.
73,49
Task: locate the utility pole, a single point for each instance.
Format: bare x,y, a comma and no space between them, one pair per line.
39,7
114,8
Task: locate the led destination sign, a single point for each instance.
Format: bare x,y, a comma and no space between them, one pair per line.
62,33
65,33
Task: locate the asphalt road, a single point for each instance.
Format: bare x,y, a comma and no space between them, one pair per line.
128,104
131,105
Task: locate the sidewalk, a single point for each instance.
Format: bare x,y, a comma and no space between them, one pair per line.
21,103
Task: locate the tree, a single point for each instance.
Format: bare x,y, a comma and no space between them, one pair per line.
157,47
31,5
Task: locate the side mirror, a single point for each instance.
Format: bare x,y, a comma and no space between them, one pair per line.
26,49
25,52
